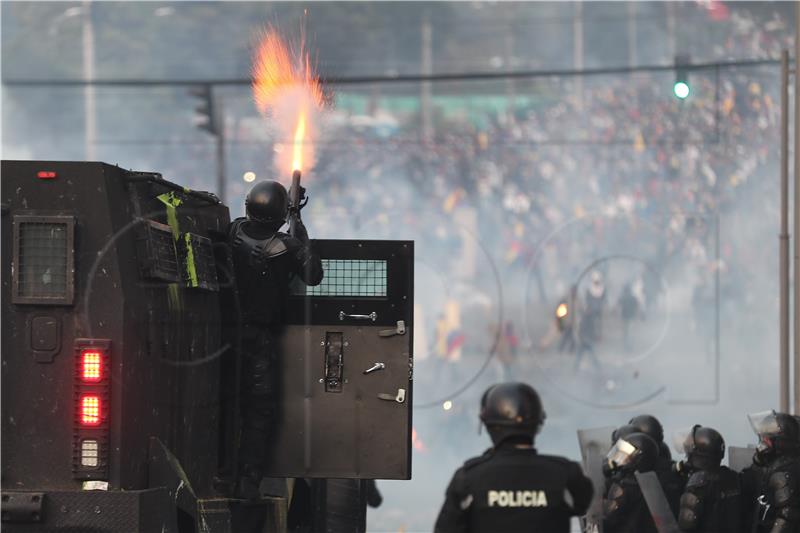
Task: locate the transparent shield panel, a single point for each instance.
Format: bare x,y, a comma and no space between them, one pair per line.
764,422
680,438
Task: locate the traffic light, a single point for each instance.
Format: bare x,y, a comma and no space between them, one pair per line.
681,88
205,113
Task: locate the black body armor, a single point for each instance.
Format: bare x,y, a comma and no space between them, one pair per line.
712,502
513,489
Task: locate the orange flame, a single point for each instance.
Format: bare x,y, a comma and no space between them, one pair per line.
287,91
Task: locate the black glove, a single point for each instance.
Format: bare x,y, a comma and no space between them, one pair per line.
300,231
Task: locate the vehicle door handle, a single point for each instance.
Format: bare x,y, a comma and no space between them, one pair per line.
399,398
372,316
399,330
373,368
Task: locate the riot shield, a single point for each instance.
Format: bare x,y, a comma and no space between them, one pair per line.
657,502
594,444
345,368
740,457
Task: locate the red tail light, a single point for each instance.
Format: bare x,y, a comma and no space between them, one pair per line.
91,366
91,410
46,175
93,401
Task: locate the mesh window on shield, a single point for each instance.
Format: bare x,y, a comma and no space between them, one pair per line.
352,278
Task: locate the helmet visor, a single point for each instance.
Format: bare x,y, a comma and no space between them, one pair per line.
764,423
622,453
683,440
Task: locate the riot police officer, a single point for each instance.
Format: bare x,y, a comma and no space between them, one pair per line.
650,426
265,262
624,506
775,473
511,488
609,469
712,500
669,475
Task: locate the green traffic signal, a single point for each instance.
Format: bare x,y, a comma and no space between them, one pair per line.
681,89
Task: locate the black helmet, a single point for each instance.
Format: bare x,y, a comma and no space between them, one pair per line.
649,425
634,452
509,409
623,431
704,447
267,202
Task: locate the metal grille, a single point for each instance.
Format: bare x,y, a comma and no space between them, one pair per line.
351,277
42,260
202,258
156,252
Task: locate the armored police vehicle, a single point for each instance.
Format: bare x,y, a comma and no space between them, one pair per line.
120,381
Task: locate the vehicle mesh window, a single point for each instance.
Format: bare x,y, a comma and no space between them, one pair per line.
156,252
351,277
42,260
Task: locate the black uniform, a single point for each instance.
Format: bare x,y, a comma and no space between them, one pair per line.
265,262
624,508
773,482
712,502
514,489
778,495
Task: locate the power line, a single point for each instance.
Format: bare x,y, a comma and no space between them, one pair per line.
401,78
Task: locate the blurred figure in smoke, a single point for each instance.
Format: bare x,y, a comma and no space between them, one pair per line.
565,315
590,323
449,342
507,344
511,488
629,310
595,301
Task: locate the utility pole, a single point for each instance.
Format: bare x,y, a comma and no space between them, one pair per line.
210,118
90,117
672,39
633,56
577,50
783,268
511,88
796,214
426,64
221,160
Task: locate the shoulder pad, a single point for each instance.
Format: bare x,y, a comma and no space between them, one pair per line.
784,489
275,247
475,461
234,226
698,480
779,480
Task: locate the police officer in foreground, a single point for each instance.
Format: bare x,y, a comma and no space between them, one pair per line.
712,500
772,483
265,262
511,488
624,507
